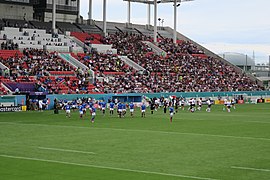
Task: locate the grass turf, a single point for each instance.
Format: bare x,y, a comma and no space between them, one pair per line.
200,145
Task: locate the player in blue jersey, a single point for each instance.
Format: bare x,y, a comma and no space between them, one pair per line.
84,107
100,105
67,108
74,105
103,107
90,106
81,111
111,108
143,109
171,110
119,109
124,109
131,108
93,114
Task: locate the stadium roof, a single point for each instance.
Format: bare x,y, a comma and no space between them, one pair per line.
238,59
158,1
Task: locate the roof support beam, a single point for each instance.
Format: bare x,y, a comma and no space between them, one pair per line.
155,21
104,17
90,10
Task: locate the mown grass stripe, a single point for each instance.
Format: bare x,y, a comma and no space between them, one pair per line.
147,131
106,167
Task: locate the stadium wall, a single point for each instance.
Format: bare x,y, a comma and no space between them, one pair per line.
138,97
13,11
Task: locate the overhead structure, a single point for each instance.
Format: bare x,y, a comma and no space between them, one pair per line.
90,10
90,14
155,2
104,17
128,12
53,16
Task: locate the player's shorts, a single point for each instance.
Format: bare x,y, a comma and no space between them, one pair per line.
93,114
120,110
171,114
81,112
143,111
228,107
131,110
209,105
73,106
111,109
124,110
68,111
103,108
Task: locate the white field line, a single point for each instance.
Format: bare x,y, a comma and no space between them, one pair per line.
147,131
106,167
65,150
235,120
249,168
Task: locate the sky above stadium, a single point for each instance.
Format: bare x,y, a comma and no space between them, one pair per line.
241,26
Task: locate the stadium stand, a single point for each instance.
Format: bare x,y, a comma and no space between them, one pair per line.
87,38
187,73
46,71
106,64
37,38
88,28
42,25
18,23
31,54
10,53
65,26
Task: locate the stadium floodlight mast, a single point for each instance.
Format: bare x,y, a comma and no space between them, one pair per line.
155,2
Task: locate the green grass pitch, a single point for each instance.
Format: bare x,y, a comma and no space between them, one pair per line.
200,145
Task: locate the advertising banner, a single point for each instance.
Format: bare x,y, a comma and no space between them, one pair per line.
10,108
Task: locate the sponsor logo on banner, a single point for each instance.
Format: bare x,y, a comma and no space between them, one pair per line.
10,108
267,100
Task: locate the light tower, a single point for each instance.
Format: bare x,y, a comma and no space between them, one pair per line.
155,3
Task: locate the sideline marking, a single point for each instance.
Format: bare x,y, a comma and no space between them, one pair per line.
66,150
106,167
140,130
249,168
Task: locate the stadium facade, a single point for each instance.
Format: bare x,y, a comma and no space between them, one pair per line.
41,10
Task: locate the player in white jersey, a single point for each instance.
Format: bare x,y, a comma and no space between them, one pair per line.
225,104
199,104
182,104
40,105
228,106
67,108
192,104
209,103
